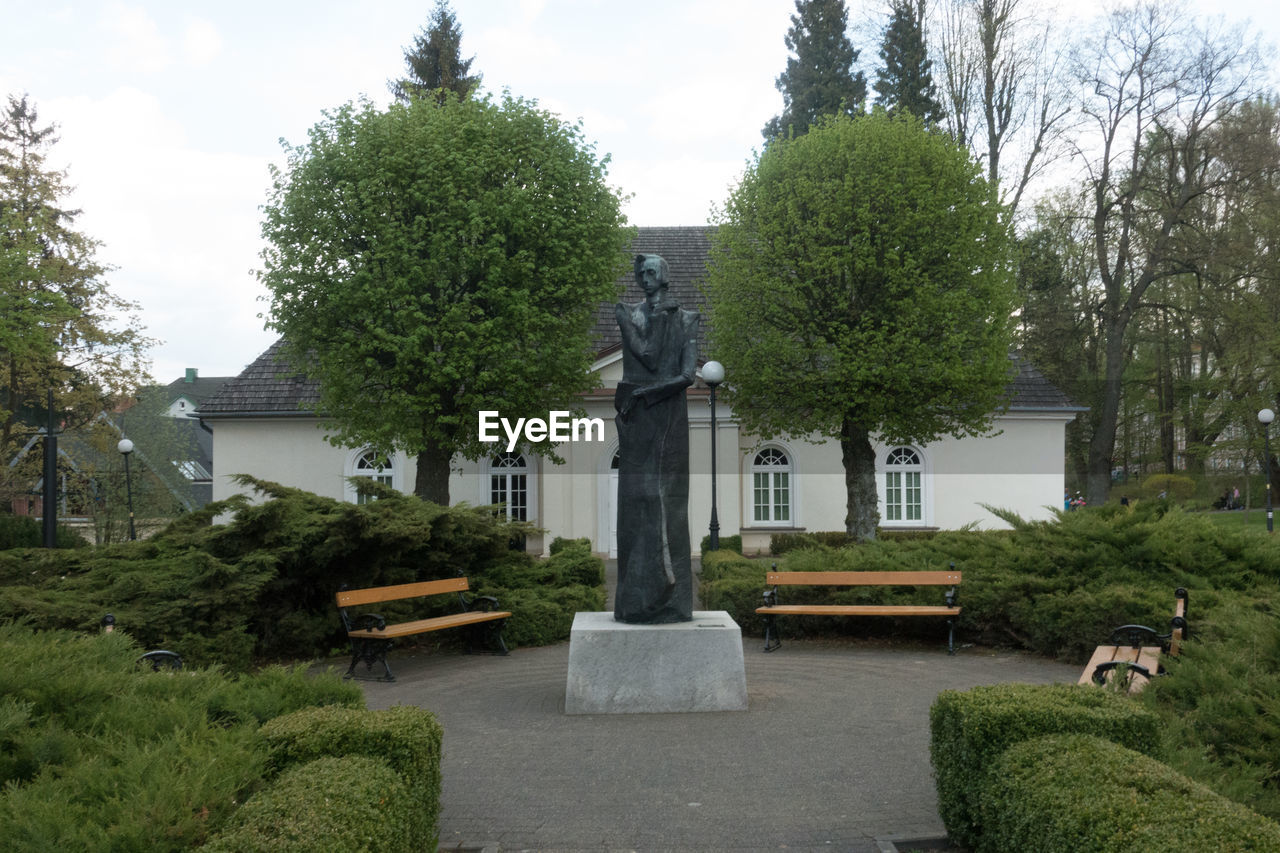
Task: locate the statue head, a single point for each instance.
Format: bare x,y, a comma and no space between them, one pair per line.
652,273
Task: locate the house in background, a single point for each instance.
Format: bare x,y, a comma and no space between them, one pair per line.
265,424
182,398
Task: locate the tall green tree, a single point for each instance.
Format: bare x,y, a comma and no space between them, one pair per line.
1155,84
904,81
434,62
61,328
433,260
861,288
819,79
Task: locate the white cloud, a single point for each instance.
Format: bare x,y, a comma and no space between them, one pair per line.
201,41
134,40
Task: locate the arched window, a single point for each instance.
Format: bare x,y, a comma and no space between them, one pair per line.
903,494
509,484
771,487
377,467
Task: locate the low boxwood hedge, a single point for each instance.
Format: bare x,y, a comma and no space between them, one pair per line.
969,731
407,738
1082,793
350,803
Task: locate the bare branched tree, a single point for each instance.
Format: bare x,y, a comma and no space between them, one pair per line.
1001,73
1154,86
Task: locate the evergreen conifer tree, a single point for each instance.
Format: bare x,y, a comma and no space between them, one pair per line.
819,79
434,62
904,81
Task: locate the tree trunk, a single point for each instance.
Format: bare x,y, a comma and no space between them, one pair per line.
1102,446
860,482
432,481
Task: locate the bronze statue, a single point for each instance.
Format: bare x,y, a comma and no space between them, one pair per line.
659,357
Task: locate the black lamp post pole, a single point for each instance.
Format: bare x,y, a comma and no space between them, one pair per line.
715,521
49,512
1266,451
126,450
713,375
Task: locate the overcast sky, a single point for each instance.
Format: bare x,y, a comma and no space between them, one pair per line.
170,112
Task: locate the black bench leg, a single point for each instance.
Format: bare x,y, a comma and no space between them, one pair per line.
371,652
488,635
951,636
771,639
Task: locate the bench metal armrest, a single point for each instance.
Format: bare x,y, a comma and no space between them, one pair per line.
771,597
1101,670
1135,636
369,622
951,597
487,603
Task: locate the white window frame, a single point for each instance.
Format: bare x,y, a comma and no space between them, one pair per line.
499,465
392,474
754,469
900,480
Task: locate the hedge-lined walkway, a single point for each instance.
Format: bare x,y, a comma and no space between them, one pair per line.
832,754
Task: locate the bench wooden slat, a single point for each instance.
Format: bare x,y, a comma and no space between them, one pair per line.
862,578
422,626
858,610
373,595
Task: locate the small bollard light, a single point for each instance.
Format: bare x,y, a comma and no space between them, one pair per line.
108,623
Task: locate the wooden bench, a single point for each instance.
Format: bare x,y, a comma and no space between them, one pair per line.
773,607
1125,652
371,637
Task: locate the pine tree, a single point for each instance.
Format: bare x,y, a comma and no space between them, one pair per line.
904,81
60,327
435,60
819,79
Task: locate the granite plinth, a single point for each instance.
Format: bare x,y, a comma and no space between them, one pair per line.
620,668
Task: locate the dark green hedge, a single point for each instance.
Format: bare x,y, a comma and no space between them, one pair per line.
407,738
734,583
1085,794
262,585
23,531
970,730
99,754
350,803
727,543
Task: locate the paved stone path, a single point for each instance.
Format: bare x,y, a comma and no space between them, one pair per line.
832,753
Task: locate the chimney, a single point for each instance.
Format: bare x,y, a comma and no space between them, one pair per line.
191,375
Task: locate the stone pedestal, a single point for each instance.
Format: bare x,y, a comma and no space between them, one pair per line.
617,668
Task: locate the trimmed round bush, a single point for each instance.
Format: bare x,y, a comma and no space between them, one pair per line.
1081,793
969,731
407,738
350,803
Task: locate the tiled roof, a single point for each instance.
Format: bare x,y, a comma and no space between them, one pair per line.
269,386
1029,390
198,389
685,250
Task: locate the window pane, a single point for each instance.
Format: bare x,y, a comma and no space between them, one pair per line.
892,496
781,498
913,496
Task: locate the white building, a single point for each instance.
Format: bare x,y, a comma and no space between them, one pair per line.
264,424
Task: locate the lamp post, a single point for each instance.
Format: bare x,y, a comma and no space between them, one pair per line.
713,375
126,448
1265,417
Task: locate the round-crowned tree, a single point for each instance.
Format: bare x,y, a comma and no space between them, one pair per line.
860,288
433,259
